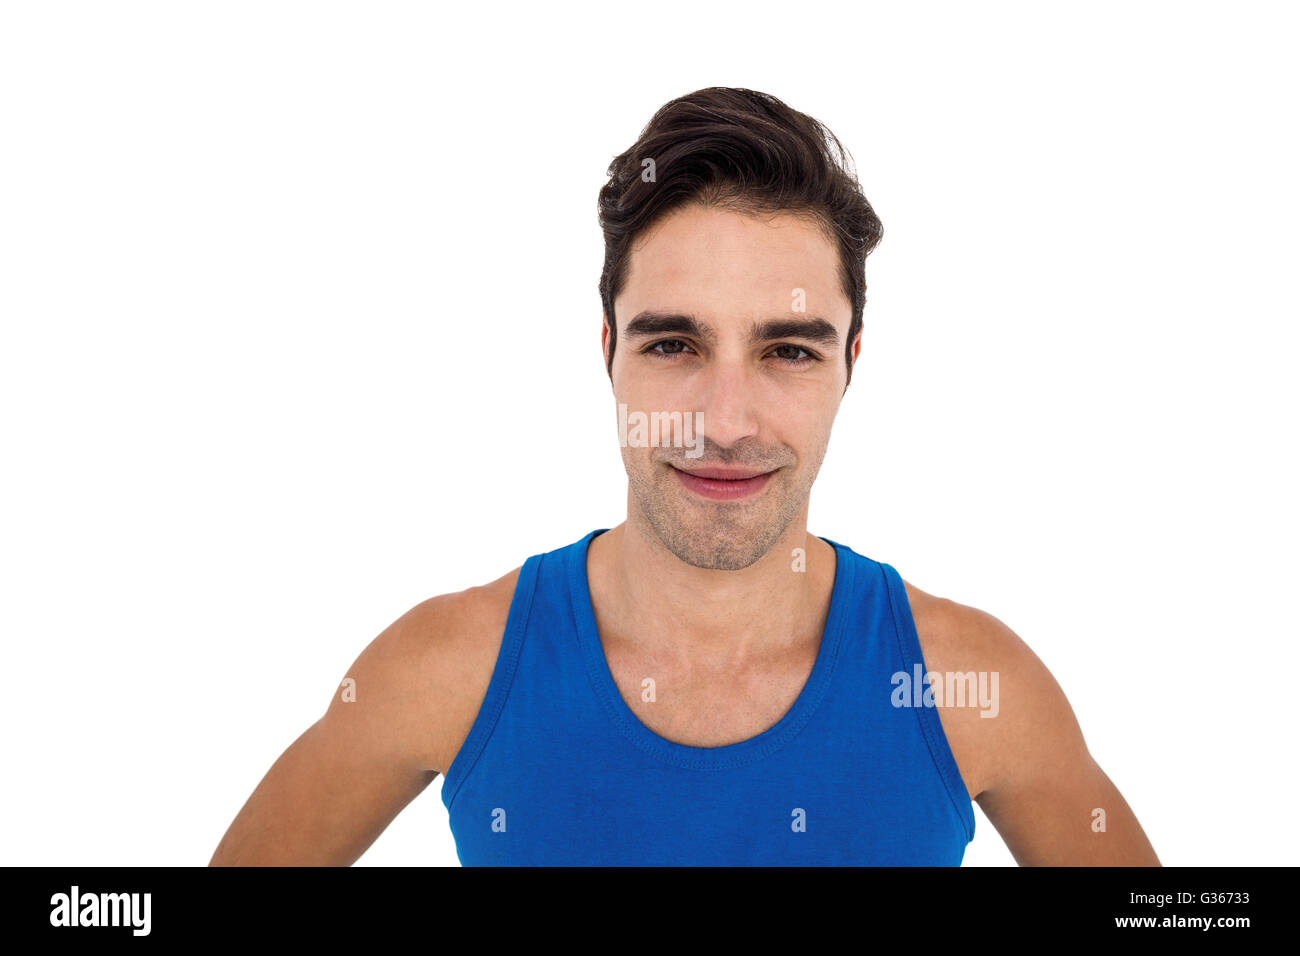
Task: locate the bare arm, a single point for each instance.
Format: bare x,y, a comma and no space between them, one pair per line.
1028,767
418,686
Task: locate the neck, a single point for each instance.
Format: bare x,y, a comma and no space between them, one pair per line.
645,594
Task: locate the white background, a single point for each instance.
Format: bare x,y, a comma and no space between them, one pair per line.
301,327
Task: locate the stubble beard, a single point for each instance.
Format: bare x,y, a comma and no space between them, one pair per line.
715,535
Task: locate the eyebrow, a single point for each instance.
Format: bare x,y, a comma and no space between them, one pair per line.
812,329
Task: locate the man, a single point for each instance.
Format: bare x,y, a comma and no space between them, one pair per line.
706,683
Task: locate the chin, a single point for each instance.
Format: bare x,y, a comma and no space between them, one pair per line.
715,542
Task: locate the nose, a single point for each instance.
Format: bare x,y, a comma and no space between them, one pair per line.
728,398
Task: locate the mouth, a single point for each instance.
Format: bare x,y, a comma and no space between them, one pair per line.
724,484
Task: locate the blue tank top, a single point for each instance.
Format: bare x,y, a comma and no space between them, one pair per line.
557,770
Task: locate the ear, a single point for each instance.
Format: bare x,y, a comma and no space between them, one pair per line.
853,363
604,345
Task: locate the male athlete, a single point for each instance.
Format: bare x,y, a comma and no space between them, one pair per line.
707,683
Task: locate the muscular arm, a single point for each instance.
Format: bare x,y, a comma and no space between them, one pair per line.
337,787
1028,767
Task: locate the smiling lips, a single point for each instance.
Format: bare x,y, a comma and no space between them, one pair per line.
724,484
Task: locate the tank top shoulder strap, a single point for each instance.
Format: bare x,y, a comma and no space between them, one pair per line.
503,675
909,650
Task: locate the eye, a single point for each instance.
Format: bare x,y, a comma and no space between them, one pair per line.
794,359
672,347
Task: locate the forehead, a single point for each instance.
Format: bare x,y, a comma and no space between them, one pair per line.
728,262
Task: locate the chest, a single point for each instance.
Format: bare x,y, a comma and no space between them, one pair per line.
709,704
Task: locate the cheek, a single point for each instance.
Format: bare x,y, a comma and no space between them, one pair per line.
809,439
636,458
810,424
633,390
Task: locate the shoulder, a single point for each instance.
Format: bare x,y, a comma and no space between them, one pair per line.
959,632
432,667
460,621
1027,713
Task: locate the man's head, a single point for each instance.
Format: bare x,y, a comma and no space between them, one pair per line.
735,241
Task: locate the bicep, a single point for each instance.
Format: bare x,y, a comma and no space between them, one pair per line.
337,787
323,803
1049,800
1067,813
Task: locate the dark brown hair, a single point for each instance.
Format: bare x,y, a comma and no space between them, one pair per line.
746,151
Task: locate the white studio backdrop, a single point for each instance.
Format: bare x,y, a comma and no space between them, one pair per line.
300,327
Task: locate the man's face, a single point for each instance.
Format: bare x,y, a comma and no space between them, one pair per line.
712,321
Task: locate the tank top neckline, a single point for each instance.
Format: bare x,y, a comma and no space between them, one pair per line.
727,756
